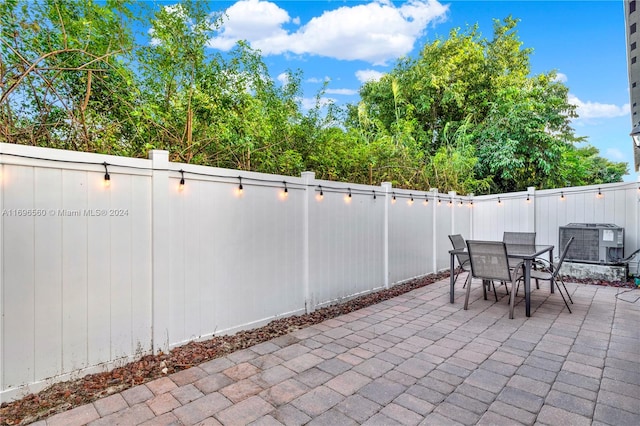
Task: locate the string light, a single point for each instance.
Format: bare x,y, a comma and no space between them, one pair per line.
285,191
393,198
426,200
240,188
347,198
461,202
499,201
450,203
374,194
439,201
599,193
320,196
410,202
528,199
107,177
562,195
181,185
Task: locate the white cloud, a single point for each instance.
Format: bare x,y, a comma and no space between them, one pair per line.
589,110
283,78
317,80
368,75
341,92
309,103
562,78
375,32
252,20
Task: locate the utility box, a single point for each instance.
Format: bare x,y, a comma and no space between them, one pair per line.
601,243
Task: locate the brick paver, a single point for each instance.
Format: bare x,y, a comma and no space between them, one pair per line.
413,360
77,416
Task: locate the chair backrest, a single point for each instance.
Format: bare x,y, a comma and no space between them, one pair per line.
457,241
556,270
489,260
528,238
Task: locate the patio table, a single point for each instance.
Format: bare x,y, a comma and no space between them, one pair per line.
527,253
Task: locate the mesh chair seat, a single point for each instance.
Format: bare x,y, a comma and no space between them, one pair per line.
523,238
489,261
519,238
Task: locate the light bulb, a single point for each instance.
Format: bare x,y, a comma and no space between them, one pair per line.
181,184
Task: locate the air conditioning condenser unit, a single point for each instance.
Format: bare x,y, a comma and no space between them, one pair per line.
601,243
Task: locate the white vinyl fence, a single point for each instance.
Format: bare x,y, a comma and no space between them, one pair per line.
93,276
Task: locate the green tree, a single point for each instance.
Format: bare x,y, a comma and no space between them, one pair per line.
62,68
583,166
516,126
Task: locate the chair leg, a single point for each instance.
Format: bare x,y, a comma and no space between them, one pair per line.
512,299
495,293
466,297
567,291
560,291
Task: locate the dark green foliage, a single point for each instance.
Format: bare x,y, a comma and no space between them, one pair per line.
465,115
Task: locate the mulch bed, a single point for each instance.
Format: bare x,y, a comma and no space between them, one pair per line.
64,396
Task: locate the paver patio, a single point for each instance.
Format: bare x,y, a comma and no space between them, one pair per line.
415,359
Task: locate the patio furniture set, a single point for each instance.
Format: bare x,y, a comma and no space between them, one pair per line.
517,258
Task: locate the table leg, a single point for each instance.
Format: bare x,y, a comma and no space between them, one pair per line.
451,280
527,285
551,263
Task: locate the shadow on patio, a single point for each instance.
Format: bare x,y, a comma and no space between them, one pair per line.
415,359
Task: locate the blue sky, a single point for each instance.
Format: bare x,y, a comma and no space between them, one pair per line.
347,42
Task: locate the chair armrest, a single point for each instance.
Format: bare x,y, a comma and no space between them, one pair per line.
542,263
518,271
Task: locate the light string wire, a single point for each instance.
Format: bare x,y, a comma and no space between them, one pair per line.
301,186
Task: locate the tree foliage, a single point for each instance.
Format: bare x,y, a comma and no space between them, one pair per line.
468,100
464,115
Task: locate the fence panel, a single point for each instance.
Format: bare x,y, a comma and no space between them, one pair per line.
612,203
410,236
236,260
346,241
443,228
75,277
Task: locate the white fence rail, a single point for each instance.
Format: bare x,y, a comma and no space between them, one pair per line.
93,276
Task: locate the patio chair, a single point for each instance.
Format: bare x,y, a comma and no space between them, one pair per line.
551,273
489,261
457,241
523,238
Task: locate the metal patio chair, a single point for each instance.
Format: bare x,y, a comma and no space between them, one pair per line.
489,261
458,243
551,273
521,238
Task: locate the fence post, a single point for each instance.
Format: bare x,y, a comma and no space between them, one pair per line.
452,204
386,188
309,179
638,225
2,179
471,215
531,213
434,228
161,252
